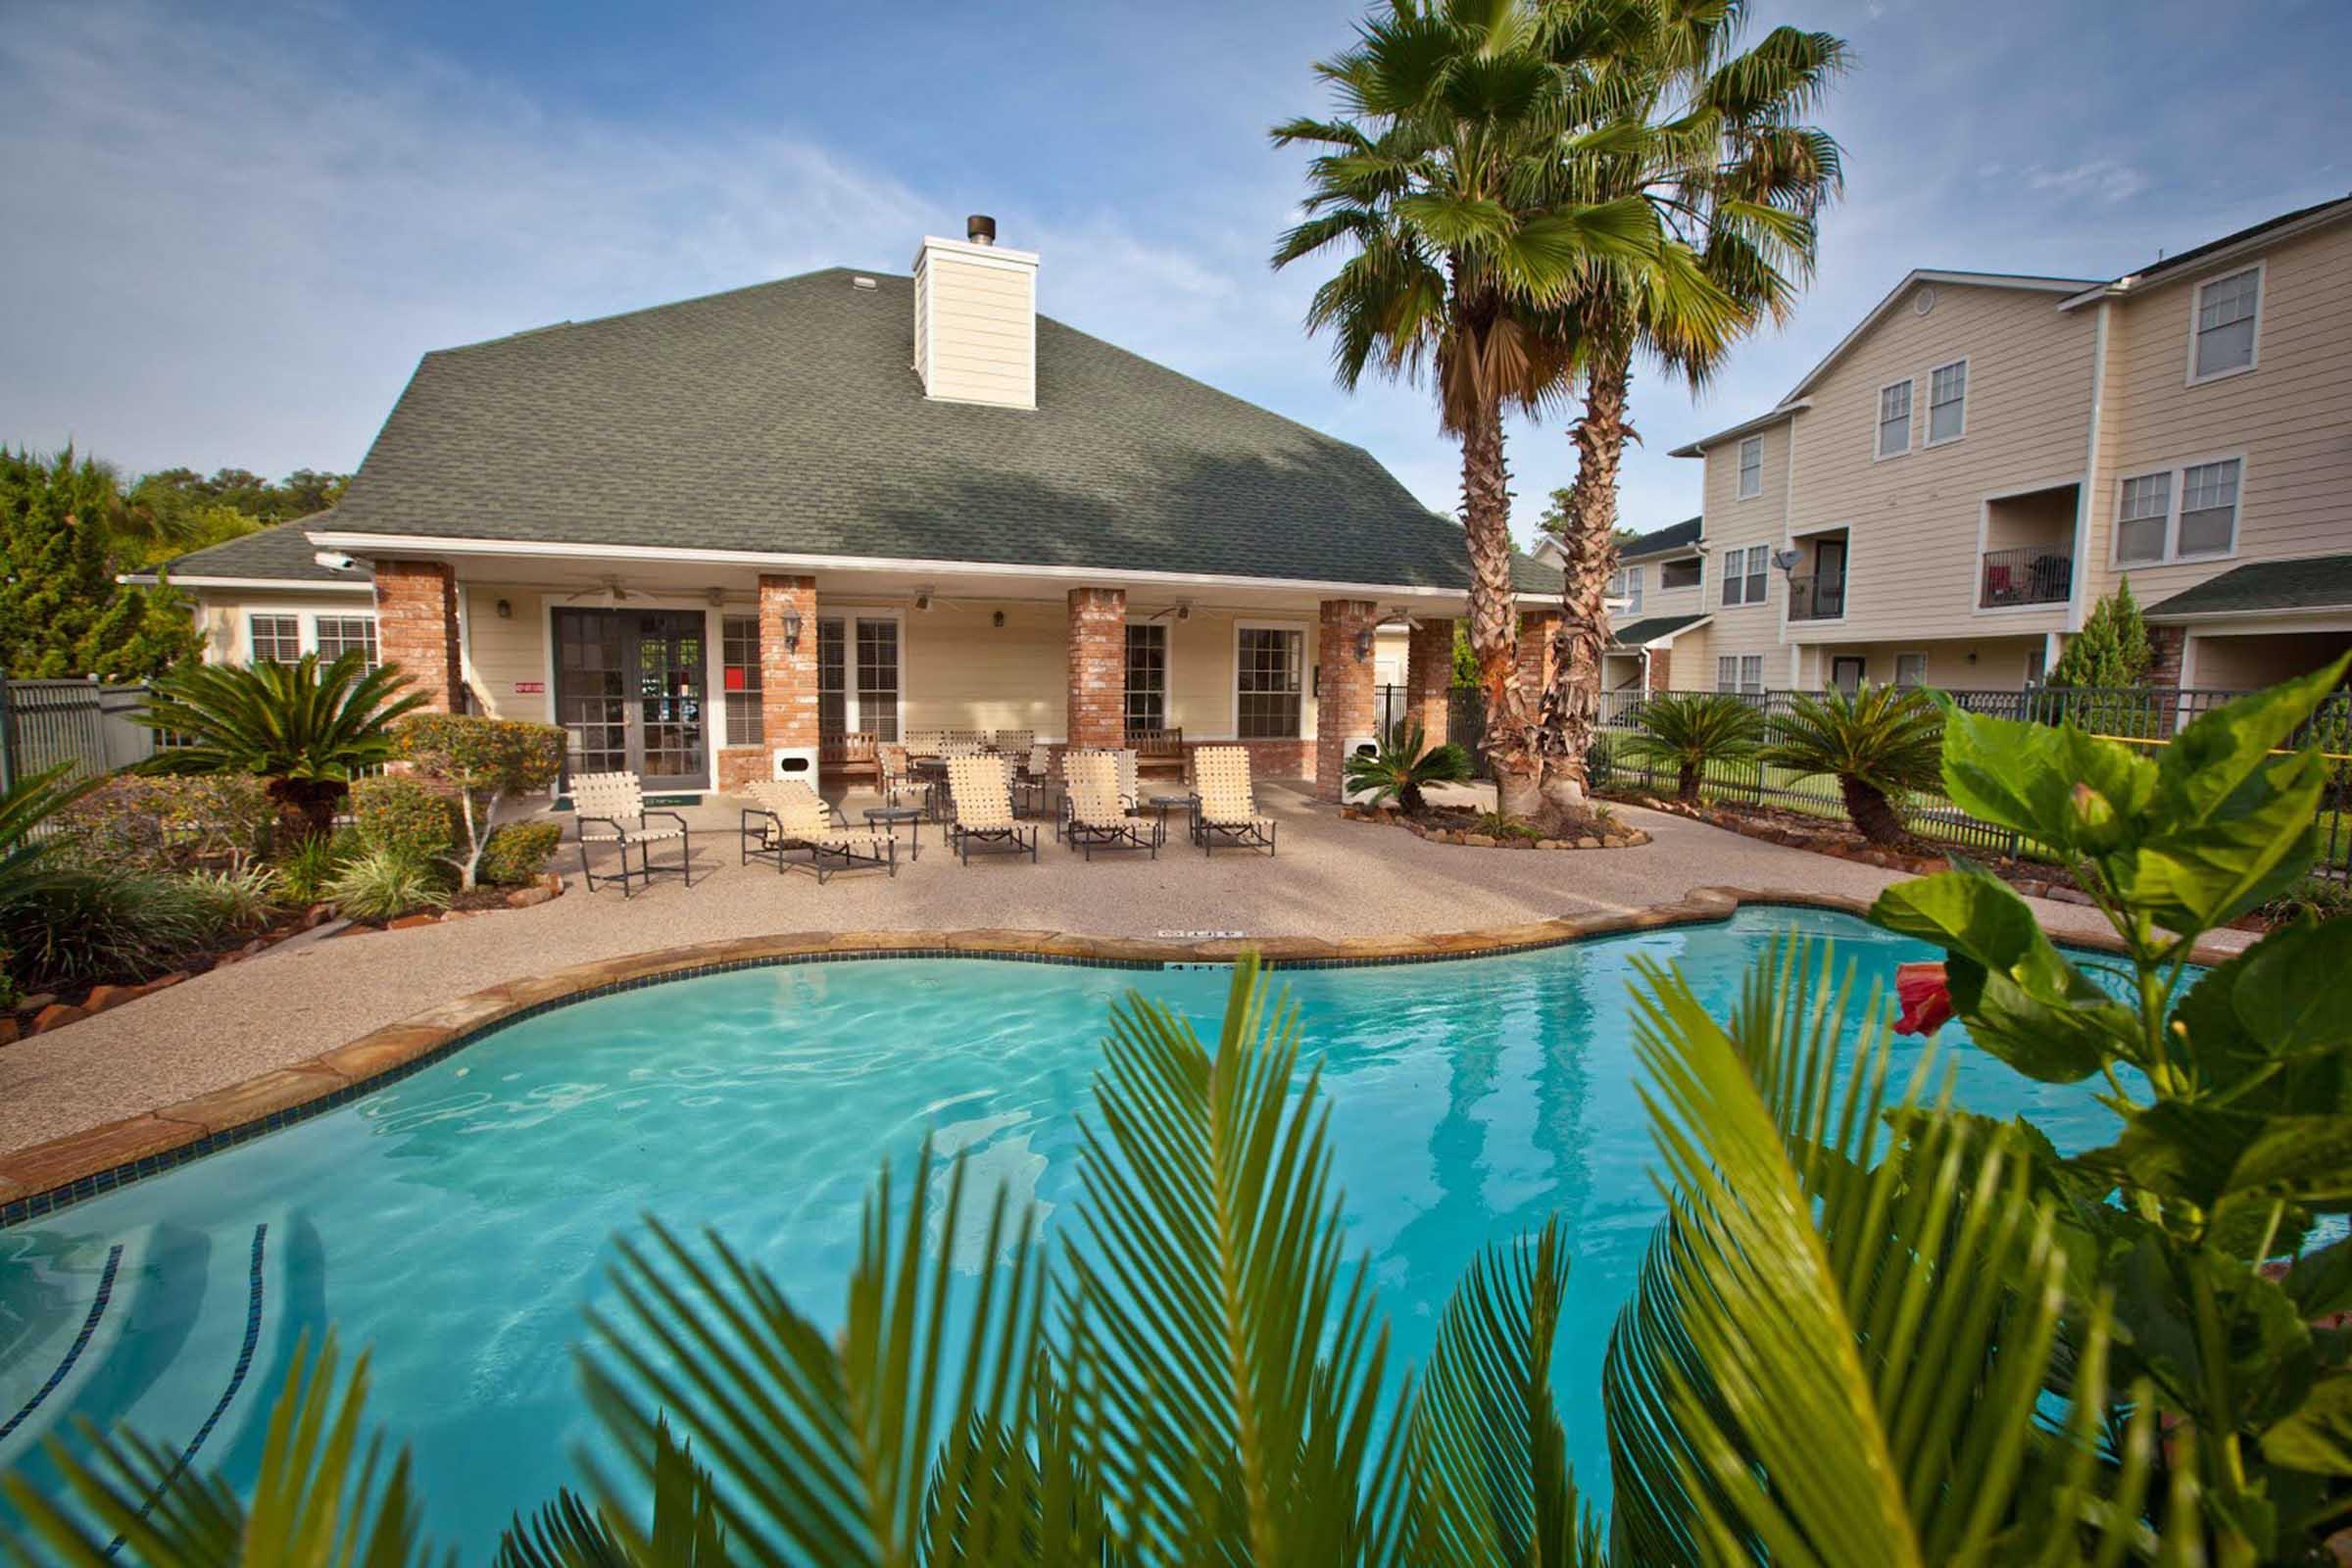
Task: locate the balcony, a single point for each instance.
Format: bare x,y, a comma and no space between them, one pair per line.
2029,575
1817,597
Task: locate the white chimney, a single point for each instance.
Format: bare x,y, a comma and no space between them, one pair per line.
975,319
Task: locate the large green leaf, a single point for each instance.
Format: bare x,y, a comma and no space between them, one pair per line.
2210,760
2058,785
2207,1154
2248,848
2018,995
2318,1436
2320,1283
2292,993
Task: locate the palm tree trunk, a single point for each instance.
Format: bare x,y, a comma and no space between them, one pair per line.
306,809
1572,705
1685,784
1871,810
1495,614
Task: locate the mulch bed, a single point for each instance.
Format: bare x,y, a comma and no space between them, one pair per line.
1455,825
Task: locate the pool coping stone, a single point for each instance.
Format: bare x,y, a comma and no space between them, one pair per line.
42,1178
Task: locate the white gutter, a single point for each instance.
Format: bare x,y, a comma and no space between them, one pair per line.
148,579
1785,411
395,546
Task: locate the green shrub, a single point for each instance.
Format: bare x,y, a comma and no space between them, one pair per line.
406,814
1689,731
1881,743
384,884
483,761
233,903
82,925
1404,766
168,823
305,870
519,852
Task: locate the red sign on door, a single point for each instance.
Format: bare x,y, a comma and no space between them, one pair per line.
530,686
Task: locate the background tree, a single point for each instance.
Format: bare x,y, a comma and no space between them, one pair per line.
485,760
2111,653
1436,177
1708,137
62,613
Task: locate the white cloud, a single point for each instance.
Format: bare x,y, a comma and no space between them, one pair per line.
2102,179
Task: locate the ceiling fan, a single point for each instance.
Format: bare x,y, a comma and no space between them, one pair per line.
611,593
1182,609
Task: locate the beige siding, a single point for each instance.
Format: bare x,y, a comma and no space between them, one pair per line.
221,616
1731,525
1657,601
1972,664
1914,520
960,671
975,325
2245,663
504,651
2289,418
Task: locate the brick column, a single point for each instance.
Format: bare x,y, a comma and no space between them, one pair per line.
2166,644
1097,708
1661,670
417,628
787,675
1535,628
1429,678
1344,687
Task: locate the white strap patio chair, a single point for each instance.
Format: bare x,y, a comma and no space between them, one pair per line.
1013,742
610,809
983,810
787,816
1032,783
1223,805
1098,817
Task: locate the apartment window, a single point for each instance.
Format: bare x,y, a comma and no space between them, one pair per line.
2208,508
1743,574
1269,681
1726,673
1147,677
2139,523
2226,309
1741,672
1948,402
273,639
1752,467
1625,583
1895,420
878,676
341,634
739,673
1910,669
832,677
1679,575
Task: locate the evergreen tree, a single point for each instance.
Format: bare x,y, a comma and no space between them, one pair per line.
2111,653
62,613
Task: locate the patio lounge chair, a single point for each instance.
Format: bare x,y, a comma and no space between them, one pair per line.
1013,742
1033,784
984,811
1098,817
788,815
610,809
1224,805
892,773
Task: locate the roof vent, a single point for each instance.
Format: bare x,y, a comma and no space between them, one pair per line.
861,282
980,229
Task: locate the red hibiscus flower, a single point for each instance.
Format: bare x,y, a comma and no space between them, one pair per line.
1926,997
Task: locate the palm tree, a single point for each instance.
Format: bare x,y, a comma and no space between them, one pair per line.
308,731
1881,743
1837,1355
1687,731
1436,176
1404,765
1710,139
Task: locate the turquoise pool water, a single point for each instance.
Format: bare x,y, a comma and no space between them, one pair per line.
458,1222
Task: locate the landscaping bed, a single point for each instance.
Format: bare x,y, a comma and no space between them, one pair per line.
1488,830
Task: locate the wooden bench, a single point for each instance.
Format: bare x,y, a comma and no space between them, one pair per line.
846,755
1157,751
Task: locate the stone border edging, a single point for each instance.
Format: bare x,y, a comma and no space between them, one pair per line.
41,1178
1630,838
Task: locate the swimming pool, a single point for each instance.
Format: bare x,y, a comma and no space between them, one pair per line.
458,1222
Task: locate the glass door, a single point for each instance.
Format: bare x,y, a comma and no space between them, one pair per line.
630,692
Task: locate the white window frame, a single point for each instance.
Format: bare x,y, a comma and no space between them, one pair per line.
1913,653
1879,420
306,624
1756,660
1736,569
1756,444
1932,440
1630,589
1309,675
1726,673
2196,308
2176,498
1697,563
851,717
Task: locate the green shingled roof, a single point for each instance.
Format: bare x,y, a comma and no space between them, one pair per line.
1642,633
784,417
1682,535
279,552
2318,582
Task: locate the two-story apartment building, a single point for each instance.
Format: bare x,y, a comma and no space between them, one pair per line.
1945,496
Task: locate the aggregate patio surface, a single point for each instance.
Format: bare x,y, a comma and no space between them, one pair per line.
1332,880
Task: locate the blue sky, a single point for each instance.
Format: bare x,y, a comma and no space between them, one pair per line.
234,229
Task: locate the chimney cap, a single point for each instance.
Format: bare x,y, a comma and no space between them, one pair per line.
980,229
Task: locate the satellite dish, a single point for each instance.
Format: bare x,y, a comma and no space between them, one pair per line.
1785,560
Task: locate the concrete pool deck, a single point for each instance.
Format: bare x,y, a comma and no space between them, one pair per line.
238,1034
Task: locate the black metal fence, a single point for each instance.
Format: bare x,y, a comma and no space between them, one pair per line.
1465,717
2141,718
45,723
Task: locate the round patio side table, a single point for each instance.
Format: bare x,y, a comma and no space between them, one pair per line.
1167,804
889,816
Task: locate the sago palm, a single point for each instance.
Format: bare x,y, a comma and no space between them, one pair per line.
1435,177
1710,136
1837,1355
1881,743
1404,766
1691,731
308,730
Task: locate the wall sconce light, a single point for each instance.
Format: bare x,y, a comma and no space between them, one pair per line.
997,619
505,610
1363,644
792,630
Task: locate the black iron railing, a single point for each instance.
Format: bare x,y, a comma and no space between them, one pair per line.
1815,598
2029,574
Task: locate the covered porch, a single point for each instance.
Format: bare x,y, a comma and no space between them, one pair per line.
701,674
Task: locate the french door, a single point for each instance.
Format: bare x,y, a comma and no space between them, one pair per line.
630,690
